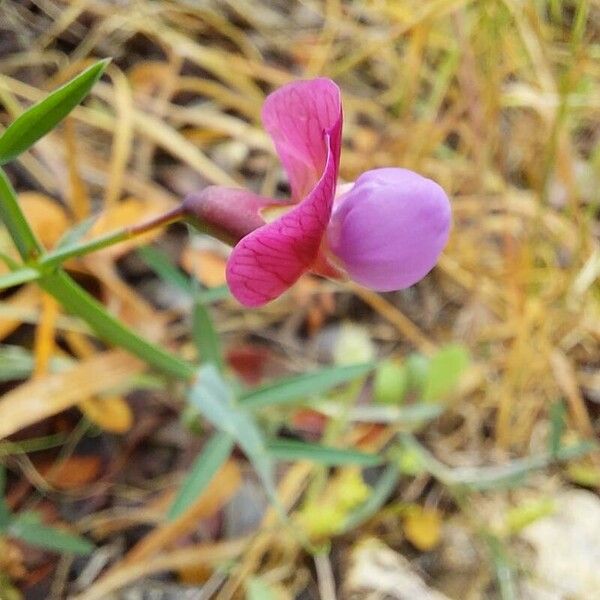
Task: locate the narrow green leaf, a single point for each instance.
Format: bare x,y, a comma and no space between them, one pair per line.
215,399
15,363
13,218
170,274
503,566
4,510
77,301
27,527
165,269
288,391
18,277
445,369
526,513
411,416
46,442
390,383
380,493
417,367
214,454
76,233
44,116
325,455
257,589
213,294
558,414
10,262
205,335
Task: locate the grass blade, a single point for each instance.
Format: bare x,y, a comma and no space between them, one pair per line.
214,454
4,510
77,301
215,399
325,455
76,233
205,336
44,116
13,218
287,391
18,277
165,269
381,492
15,363
27,527
257,589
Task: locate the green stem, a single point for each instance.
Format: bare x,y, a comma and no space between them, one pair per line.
77,301
11,214
57,257
70,295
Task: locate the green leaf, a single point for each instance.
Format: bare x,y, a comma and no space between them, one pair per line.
4,510
213,294
257,589
526,513
8,448
205,335
44,116
558,414
503,566
13,218
27,527
76,233
214,454
325,455
215,399
417,367
445,369
288,391
170,274
165,269
77,301
18,277
380,493
391,383
15,363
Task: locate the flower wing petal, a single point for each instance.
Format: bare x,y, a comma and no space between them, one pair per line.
269,260
296,115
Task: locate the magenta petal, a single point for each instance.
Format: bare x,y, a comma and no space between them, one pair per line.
305,120
270,259
390,228
296,115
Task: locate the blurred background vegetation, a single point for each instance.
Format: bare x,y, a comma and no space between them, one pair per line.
484,398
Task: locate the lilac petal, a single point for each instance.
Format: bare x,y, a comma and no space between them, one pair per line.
390,228
296,115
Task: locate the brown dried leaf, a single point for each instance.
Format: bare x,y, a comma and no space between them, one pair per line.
72,473
222,487
207,266
111,413
46,396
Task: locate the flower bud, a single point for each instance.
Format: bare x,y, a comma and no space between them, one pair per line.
390,228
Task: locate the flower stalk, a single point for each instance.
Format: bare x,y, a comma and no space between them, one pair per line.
57,257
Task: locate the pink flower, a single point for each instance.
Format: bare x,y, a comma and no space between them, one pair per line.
386,232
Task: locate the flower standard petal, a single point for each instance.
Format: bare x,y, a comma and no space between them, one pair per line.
269,260
305,121
295,116
390,228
